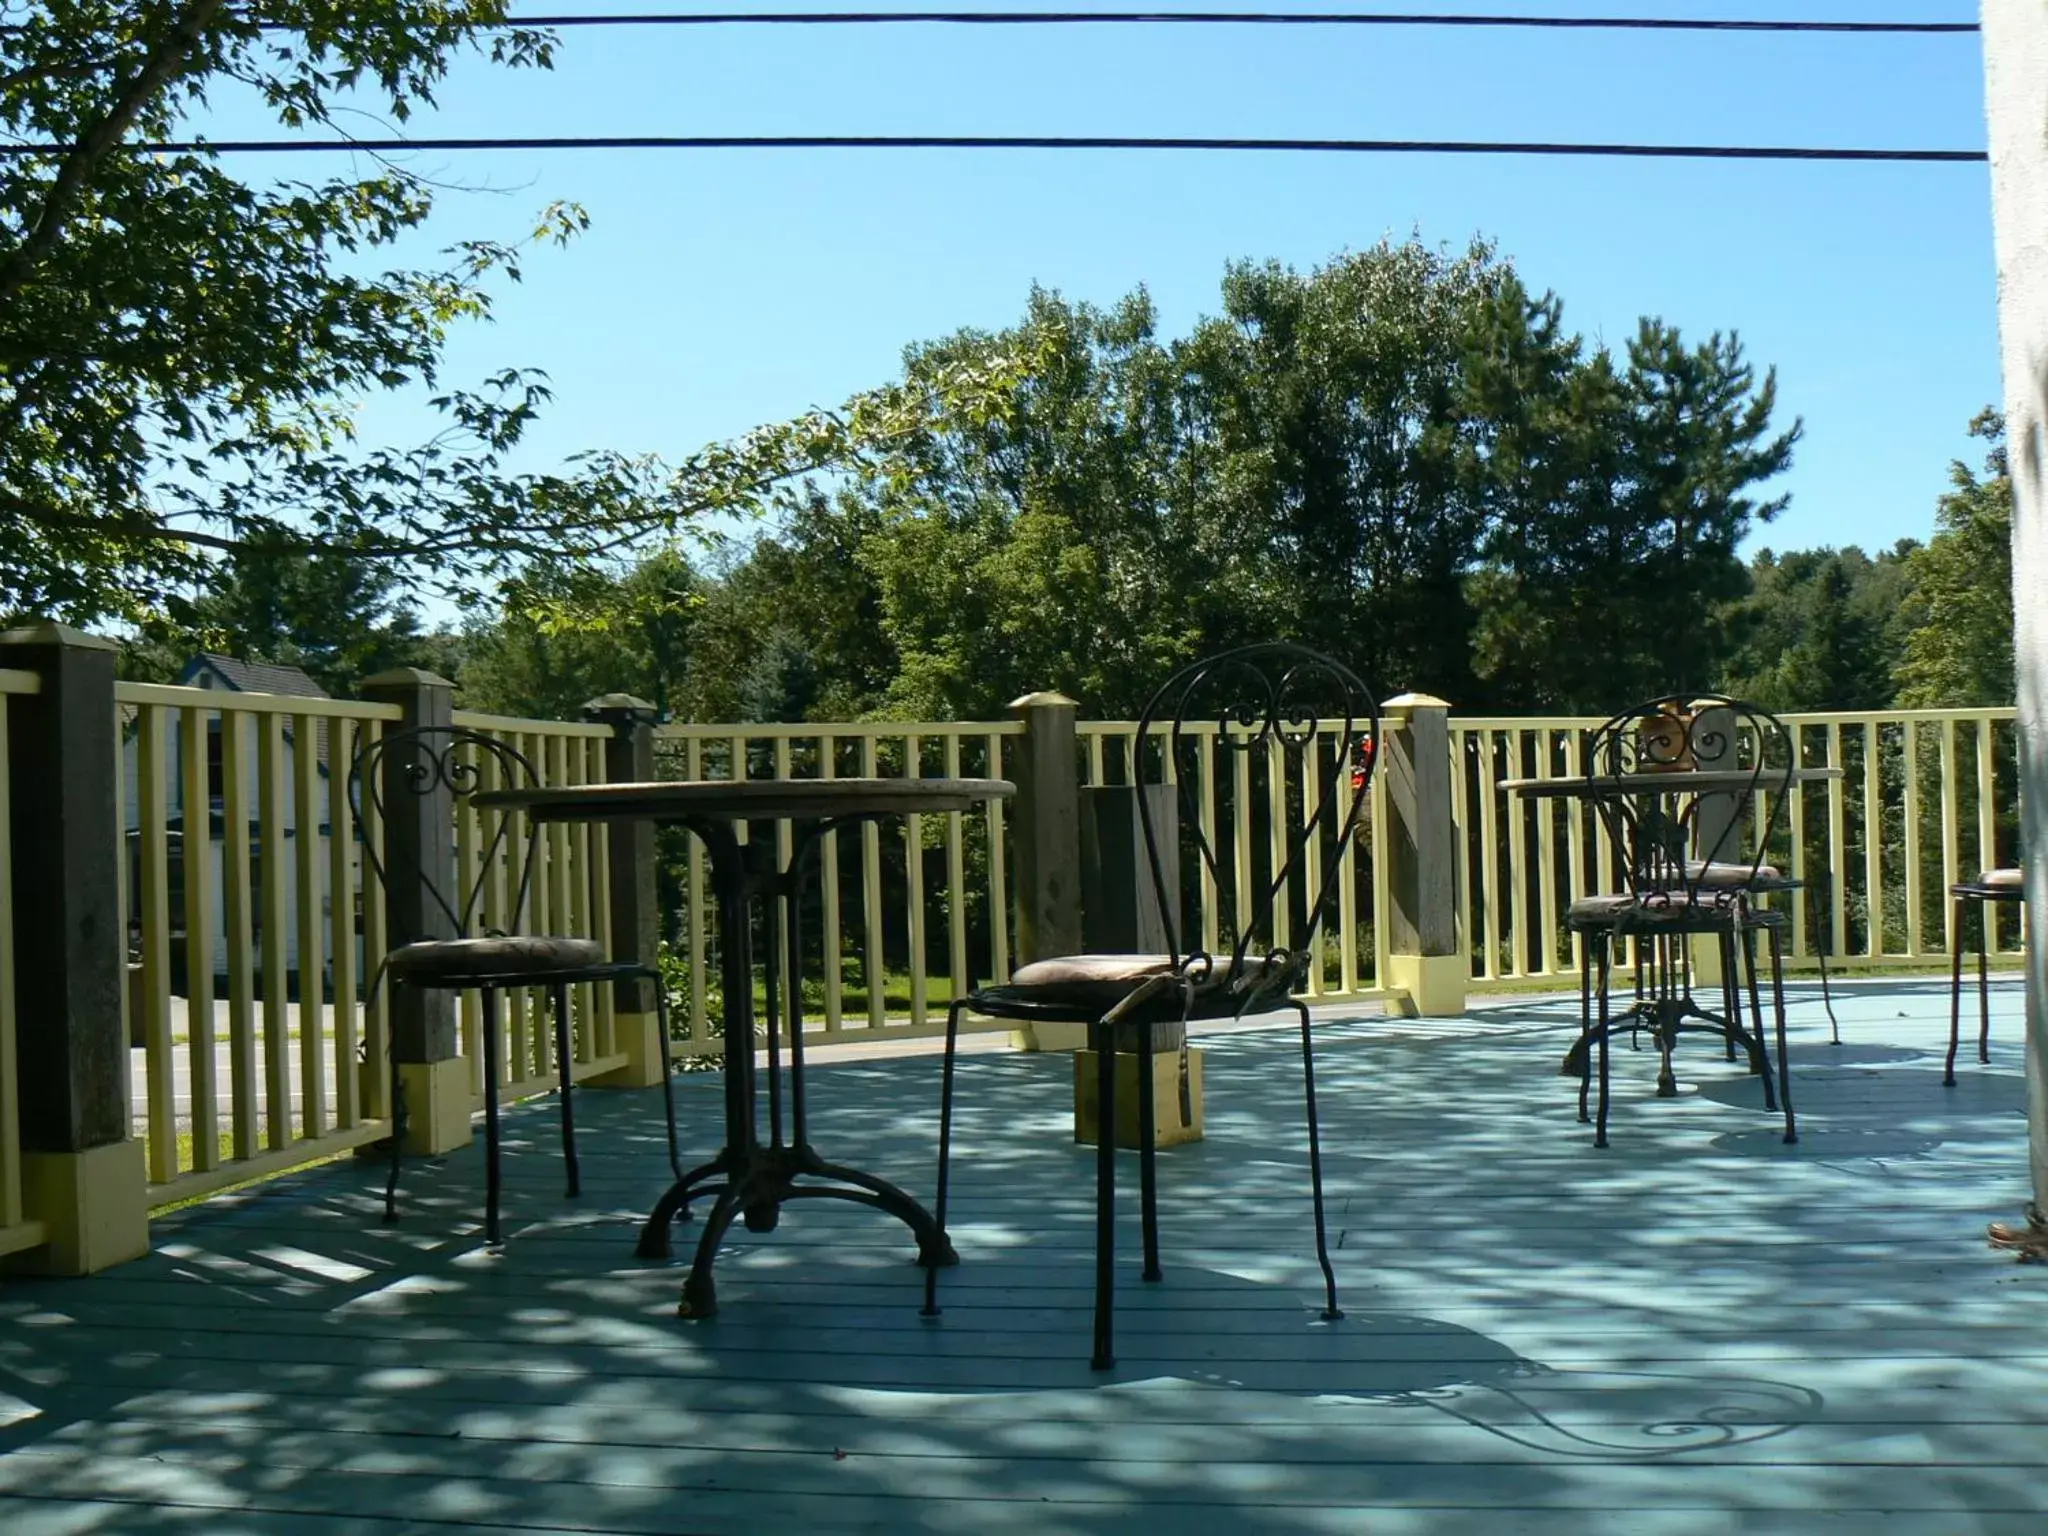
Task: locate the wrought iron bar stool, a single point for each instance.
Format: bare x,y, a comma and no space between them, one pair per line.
1674,780
454,953
1300,714
1981,894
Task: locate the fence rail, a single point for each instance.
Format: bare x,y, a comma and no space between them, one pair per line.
259,1041
17,1231
1925,798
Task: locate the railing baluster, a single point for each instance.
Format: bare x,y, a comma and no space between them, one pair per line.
700,1027
1489,853
1575,827
153,910
1838,846
275,919
1347,881
1312,852
956,882
1910,816
1211,894
1276,835
1951,852
10,1080
1546,858
377,998
469,844
1987,819
1873,837
913,880
238,921
1796,823
875,965
998,876
307,863
341,913
828,863
1518,845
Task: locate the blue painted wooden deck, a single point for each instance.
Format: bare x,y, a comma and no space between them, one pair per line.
1700,1331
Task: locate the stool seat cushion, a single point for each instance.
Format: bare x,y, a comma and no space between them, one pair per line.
434,962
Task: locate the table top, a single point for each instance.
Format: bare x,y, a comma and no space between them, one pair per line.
1677,782
746,799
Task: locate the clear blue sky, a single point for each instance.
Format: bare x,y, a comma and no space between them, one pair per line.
718,290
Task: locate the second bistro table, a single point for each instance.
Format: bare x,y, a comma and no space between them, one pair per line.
751,1178
1694,781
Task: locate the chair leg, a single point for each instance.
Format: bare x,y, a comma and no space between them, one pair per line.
1586,941
1784,1061
1955,989
1984,911
492,1171
1600,997
398,1125
1729,994
1756,1010
668,1076
1105,1199
931,1271
1148,1155
1331,1311
565,1074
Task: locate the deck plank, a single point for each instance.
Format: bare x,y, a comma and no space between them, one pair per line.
1697,1332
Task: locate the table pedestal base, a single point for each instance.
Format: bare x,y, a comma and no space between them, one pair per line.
753,1186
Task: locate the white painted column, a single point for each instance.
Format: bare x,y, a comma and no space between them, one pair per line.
2016,103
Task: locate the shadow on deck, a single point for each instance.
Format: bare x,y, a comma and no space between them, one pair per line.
1700,1330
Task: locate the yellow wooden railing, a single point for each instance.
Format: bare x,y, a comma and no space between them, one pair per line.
248,1078
16,1230
252,1080
257,1080
1926,797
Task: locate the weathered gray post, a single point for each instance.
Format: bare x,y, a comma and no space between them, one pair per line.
1048,829
82,1177
635,918
1046,836
419,841
1120,912
1425,960
2015,87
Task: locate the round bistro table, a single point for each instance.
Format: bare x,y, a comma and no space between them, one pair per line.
751,1178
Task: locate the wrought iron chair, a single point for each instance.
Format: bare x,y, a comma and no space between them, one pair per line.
1316,721
1981,895
465,956
1693,853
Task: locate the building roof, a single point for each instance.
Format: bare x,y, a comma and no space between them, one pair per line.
252,676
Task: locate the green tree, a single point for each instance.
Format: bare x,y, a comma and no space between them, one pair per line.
339,617
1619,490
1958,647
1820,629
182,353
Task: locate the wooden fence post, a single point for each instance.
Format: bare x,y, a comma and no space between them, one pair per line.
1046,829
83,1178
1424,958
635,916
419,839
1047,820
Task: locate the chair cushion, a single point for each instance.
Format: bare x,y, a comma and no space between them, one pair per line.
1718,876
2002,879
1099,982
455,961
1706,908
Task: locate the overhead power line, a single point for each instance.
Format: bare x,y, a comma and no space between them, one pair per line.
1047,141
1234,18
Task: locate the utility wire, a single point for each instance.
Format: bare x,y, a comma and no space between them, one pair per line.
1233,18
1053,142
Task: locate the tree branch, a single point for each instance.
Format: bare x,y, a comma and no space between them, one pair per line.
170,57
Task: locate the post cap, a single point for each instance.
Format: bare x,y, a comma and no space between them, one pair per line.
1416,701
1046,699
50,632
406,677
619,705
